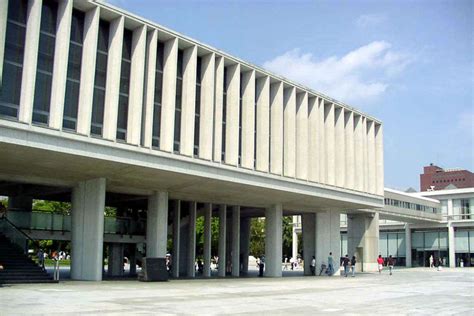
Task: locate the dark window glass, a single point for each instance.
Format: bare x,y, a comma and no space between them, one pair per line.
73,70
13,58
158,94
124,85
255,128
197,111
177,114
44,74
100,78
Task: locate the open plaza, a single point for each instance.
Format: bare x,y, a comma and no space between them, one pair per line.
420,291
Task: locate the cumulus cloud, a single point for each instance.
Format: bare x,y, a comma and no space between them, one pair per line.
358,76
370,20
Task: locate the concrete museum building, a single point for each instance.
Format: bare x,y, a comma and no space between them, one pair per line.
99,107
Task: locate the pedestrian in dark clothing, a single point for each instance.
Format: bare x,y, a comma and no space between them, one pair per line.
261,266
390,263
345,263
353,265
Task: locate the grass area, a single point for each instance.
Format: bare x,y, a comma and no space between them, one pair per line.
62,263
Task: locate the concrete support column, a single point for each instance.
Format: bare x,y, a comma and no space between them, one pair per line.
302,143
206,120
248,119
235,241
87,229
61,54
276,128
30,60
365,157
232,117
149,95
219,99
88,62
191,271
132,259
329,142
379,172
168,99
3,33
188,104
222,239
371,158
289,132
358,154
340,148
176,238
263,124
328,237
452,246
294,244
157,225
115,262
273,240
349,153
112,85
322,146
408,259
313,139
135,101
363,240
245,243
207,239
308,221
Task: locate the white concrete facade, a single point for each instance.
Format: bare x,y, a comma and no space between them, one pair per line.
297,147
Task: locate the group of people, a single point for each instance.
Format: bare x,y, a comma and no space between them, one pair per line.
294,263
436,263
390,263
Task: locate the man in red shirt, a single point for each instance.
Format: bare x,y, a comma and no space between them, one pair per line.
380,263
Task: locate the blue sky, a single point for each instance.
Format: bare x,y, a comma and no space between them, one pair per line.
407,63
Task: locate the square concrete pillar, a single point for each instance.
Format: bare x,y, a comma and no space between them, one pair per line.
115,259
248,119
191,258
30,60
363,240
329,142
88,62
3,33
379,172
340,147
302,143
452,246
176,237
149,94
222,239
276,128
207,239
322,146
244,243
365,156
358,154
232,117
87,229
408,259
188,104
313,139
273,240
328,238
157,225
61,54
206,120
349,153
219,99
289,132
371,158
263,124
308,222
168,100
235,241
112,85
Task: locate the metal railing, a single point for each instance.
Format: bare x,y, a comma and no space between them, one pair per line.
16,235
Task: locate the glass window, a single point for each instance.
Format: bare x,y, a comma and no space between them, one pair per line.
417,240
392,244
383,248
431,241
73,70
100,78
158,95
44,74
461,240
177,114
122,114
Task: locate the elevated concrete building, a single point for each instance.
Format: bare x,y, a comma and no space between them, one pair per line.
103,108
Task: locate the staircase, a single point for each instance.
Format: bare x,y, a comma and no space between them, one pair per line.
18,267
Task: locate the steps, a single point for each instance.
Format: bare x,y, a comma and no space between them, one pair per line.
19,268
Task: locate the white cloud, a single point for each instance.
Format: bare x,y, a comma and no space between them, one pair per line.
370,20
358,76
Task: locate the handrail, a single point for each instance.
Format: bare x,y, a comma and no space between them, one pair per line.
4,217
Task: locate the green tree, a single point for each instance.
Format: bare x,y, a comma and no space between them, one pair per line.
257,236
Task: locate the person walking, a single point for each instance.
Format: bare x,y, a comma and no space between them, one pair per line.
345,263
390,263
431,261
330,269
313,266
261,266
353,266
380,263
40,255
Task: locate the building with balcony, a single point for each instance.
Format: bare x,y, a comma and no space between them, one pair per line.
99,107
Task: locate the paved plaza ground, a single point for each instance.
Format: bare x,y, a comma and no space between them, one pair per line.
417,291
